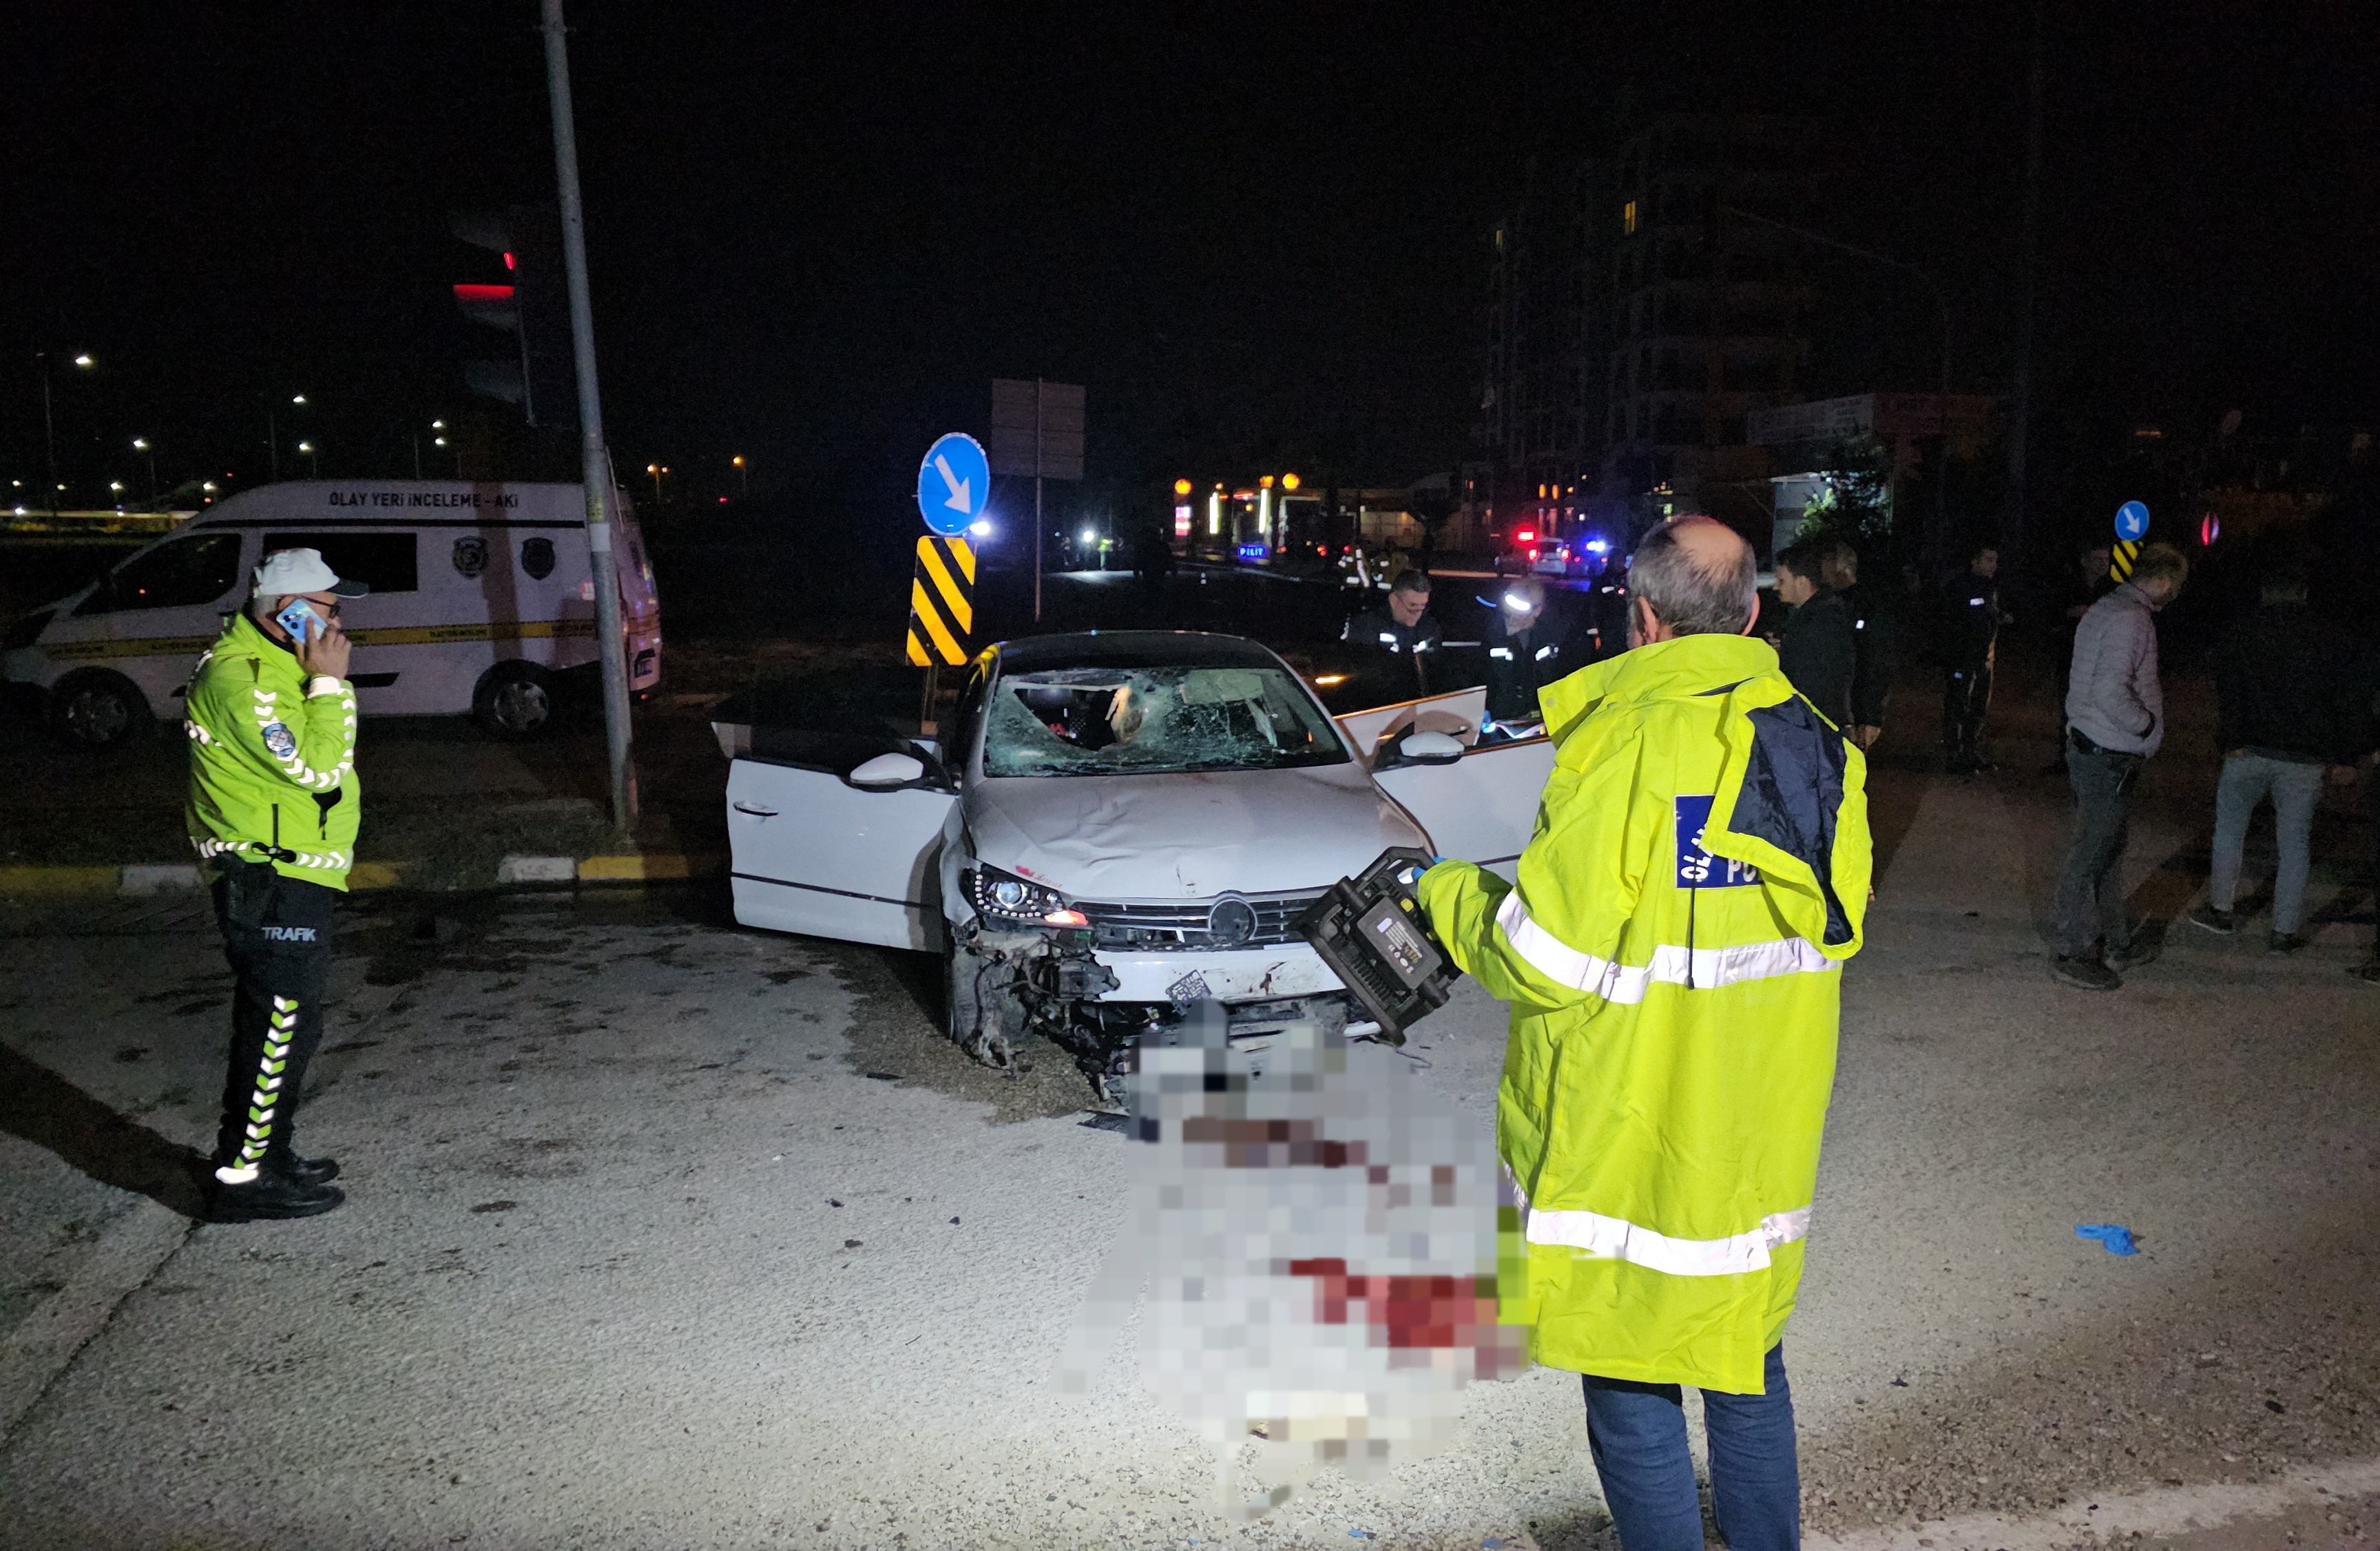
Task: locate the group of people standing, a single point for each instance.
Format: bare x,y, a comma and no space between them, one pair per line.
2297,713
2297,709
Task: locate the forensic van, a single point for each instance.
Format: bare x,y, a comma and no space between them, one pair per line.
482,596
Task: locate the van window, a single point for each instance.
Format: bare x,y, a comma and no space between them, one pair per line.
180,574
383,561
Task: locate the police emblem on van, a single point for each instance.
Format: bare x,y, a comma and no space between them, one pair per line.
471,554
1697,868
537,557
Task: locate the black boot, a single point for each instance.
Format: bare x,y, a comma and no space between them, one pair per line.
311,1171
270,1197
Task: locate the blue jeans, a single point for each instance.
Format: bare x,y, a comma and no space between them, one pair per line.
1638,1434
2295,789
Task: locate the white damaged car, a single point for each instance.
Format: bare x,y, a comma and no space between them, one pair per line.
1111,827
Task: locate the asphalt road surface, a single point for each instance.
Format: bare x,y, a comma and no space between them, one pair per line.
665,1234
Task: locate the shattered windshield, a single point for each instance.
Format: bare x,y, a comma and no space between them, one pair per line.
1142,721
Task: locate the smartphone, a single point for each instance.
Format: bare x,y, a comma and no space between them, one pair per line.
298,618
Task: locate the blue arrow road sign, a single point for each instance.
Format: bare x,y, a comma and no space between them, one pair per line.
953,483
2131,520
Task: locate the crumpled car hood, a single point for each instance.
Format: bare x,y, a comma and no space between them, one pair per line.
1190,836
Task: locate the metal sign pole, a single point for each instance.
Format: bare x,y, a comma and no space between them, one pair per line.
1038,525
595,461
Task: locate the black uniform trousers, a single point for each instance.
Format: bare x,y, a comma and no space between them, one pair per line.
276,934
1966,697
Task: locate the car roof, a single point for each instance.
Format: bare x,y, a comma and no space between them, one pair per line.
1132,649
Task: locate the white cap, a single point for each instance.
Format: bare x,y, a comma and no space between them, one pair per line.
288,573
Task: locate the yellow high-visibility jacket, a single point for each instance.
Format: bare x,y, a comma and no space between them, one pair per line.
272,760
1672,955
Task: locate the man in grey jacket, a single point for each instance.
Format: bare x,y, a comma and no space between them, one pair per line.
2114,718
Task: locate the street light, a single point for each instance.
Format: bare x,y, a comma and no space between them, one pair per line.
140,445
49,422
313,466
744,471
273,432
656,470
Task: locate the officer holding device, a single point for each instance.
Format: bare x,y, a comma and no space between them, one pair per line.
273,813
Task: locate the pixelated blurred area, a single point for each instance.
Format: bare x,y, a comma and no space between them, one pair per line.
1313,1249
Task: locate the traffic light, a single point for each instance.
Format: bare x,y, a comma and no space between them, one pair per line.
532,304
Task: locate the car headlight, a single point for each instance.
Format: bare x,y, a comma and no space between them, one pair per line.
1008,900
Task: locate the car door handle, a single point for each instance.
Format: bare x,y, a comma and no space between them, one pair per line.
755,812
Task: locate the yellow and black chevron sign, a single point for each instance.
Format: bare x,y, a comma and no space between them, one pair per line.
941,602
2120,557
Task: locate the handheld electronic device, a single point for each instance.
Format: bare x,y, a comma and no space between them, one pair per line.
298,618
1371,932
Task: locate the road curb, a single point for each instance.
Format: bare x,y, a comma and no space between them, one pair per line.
43,882
147,880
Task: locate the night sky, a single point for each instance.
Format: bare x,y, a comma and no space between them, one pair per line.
1256,233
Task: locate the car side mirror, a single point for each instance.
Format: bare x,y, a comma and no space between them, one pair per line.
887,770
1429,748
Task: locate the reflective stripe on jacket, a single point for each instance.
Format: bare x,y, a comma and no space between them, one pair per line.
1698,873
268,759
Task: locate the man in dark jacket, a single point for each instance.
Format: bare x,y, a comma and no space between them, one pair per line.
1527,649
1970,632
2283,691
2363,706
1874,639
1402,627
1818,651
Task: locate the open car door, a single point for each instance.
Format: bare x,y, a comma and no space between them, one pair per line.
1457,713
1483,808
813,851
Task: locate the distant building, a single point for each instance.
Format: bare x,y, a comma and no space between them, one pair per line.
1632,321
1883,429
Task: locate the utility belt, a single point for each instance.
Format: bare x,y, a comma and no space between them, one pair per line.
2081,743
248,885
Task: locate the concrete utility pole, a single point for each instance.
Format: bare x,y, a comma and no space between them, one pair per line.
2012,520
595,464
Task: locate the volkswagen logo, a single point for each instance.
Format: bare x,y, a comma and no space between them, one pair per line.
1232,922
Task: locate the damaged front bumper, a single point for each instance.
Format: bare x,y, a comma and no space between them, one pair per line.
1289,969
1096,1004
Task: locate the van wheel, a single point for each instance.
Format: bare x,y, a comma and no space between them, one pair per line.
98,710
514,700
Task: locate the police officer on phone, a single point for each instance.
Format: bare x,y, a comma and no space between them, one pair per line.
273,813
